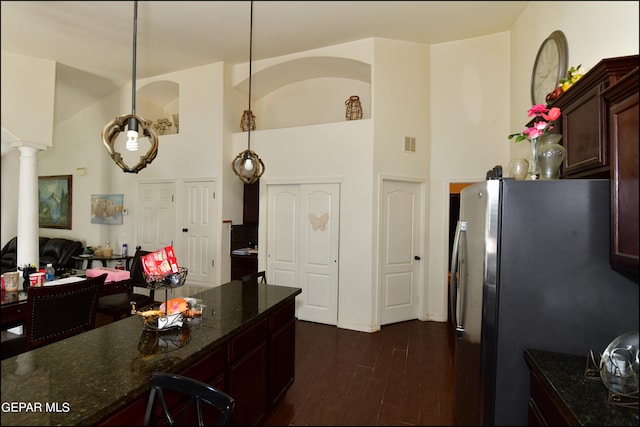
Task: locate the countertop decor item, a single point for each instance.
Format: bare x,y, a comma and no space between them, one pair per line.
354,108
550,155
112,129
518,168
247,165
541,124
620,364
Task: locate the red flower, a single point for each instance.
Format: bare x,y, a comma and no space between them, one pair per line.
542,123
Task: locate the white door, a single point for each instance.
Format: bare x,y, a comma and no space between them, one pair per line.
156,215
302,246
198,229
400,255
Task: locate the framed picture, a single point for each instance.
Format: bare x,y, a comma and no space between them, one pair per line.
107,208
54,201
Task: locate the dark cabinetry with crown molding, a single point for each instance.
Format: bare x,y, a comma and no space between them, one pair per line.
621,107
583,123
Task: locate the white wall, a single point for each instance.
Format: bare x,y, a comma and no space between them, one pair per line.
469,123
28,85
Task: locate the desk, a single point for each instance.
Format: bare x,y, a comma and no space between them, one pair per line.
14,303
115,257
245,342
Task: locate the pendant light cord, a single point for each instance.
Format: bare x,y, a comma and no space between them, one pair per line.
250,62
135,48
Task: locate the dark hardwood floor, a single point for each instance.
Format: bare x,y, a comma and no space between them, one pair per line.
402,375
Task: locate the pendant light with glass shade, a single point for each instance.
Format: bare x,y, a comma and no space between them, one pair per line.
132,121
247,165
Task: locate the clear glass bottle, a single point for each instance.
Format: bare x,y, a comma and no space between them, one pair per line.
125,246
49,273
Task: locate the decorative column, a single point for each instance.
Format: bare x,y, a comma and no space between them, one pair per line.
28,224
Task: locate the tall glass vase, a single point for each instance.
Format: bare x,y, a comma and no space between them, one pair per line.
550,156
534,170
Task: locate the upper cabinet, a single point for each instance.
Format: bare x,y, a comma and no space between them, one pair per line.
584,119
621,118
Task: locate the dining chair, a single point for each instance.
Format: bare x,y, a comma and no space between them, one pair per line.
171,389
119,305
258,277
60,311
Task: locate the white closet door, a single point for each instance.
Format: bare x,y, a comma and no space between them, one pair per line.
302,246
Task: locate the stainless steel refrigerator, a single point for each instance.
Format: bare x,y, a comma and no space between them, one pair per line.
530,269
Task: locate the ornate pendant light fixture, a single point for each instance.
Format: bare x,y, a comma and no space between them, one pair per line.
247,165
112,129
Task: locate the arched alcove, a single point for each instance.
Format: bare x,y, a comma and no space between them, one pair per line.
306,91
159,102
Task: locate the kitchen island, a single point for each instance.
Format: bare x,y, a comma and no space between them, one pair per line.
244,344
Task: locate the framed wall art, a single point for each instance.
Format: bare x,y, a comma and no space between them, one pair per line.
55,201
107,208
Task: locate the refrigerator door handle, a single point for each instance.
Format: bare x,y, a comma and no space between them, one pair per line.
461,227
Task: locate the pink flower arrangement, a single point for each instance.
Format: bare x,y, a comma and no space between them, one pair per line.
541,125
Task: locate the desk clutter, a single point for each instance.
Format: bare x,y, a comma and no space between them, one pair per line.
113,274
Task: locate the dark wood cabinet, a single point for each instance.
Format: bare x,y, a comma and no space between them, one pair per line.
583,123
621,103
544,409
247,374
241,265
251,204
282,344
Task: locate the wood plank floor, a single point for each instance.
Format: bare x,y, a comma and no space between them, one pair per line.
402,375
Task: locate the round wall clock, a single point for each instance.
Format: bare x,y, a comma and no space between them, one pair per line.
549,67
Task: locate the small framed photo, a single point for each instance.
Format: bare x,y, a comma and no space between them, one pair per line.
55,201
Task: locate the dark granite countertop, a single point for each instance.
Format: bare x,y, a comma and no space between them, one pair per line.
586,399
80,380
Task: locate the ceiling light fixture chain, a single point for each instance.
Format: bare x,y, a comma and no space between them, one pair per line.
112,129
247,165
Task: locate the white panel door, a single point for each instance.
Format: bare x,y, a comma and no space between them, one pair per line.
282,234
302,246
401,211
198,231
155,218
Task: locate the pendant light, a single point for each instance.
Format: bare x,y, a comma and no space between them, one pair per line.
247,165
132,121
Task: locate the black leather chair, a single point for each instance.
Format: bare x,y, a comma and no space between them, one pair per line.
119,305
55,313
168,389
259,277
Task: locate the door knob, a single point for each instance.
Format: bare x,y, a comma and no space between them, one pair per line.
417,258
184,230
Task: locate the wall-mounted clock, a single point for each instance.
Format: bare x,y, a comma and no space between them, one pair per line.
549,67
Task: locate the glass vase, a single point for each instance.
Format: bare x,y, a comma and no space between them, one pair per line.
518,168
534,170
550,156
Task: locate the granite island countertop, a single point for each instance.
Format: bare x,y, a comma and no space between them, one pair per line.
83,379
586,400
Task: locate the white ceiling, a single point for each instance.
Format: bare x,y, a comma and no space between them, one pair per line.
92,40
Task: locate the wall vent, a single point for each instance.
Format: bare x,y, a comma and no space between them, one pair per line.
409,144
